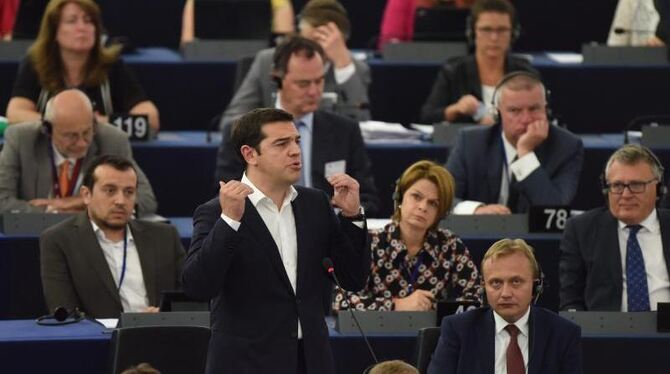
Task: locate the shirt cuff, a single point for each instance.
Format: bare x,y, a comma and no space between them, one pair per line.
343,74
235,225
522,167
467,207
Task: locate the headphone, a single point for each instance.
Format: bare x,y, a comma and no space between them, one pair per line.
61,317
470,28
47,127
661,188
495,99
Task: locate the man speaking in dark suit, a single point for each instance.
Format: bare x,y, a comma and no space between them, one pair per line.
101,261
257,253
510,336
616,258
329,143
520,161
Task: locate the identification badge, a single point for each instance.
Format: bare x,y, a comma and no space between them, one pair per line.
335,167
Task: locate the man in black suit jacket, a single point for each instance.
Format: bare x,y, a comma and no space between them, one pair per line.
334,142
102,262
521,161
510,335
257,253
595,249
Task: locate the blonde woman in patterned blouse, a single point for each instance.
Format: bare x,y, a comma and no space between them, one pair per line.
413,261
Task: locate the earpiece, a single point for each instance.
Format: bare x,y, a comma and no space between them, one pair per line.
47,128
60,317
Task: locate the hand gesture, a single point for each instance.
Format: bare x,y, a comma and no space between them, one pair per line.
535,134
493,209
419,300
346,194
467,105
332,41
232,197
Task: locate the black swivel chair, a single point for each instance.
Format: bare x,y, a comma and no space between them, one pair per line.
426,342
169,349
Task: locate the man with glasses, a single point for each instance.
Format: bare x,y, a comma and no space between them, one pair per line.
42,163
521,161
615,258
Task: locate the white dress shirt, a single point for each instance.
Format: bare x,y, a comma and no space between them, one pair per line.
133,292
503,338
638,18
651,244
281,224
521,168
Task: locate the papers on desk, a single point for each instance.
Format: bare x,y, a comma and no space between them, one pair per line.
378,131
109,323
566,58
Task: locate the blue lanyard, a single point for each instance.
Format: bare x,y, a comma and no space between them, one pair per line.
125,255
414,274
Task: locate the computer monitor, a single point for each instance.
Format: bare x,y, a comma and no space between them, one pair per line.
233,19
143,23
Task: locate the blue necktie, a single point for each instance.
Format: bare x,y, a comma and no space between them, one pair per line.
636,275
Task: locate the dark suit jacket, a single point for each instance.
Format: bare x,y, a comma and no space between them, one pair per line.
334,138
663,28
75,272
476,162
458,77
590,268
467,344
254,308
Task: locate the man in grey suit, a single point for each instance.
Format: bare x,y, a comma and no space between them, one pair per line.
616,258
102,262
41,163
346,79
330,143
520,161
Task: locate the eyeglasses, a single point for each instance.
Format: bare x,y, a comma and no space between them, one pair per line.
489,31
73,137
633,187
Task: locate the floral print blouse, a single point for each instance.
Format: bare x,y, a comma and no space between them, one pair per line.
443,266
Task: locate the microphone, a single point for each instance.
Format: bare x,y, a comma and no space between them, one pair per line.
330,269
621,30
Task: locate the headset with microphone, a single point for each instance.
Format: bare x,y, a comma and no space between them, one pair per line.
61,316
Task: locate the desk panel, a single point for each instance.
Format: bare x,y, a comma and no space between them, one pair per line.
84,348
588,98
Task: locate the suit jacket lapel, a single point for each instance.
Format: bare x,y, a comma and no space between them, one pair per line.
494,159
537,341
146,251
486,340
94,256
664,221
44,178
301,231
609,251
253,222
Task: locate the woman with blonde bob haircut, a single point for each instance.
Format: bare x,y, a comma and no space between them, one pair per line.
68,53
413,261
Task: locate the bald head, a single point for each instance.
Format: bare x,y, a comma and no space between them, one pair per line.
70,114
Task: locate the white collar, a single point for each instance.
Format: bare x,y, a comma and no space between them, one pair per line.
59,157
650,223
521,323
257,196
101,234
510,150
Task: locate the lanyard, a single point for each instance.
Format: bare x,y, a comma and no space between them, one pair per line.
54,176
125,255
414,274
